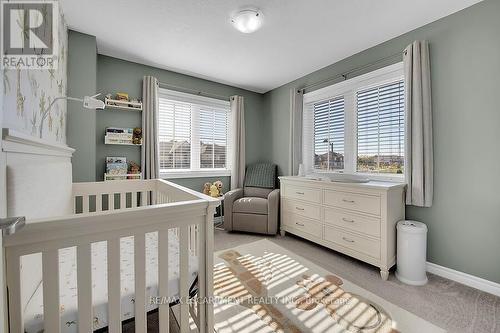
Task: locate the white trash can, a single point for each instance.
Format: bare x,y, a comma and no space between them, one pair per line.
411,252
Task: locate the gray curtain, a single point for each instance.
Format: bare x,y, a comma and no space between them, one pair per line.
295,149
149,153
238,141
418,127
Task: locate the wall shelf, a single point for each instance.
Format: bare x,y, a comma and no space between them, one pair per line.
110,142
128,176
122,105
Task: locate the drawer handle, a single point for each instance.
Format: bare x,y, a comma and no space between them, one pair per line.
299,224
298,208
348,240
301,193
348,201
347,220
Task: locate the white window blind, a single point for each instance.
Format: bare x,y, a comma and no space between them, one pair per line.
381,129
193,134
329,134
213,138
174,130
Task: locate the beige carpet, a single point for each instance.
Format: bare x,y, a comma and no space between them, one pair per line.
262,287
447,304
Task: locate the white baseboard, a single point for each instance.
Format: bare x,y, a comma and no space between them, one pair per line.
464,278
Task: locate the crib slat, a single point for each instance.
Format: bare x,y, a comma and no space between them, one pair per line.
98,202
163,313
144,198
16,322
85,204
114,286
111,201
123,200
184,277
209,266
50,271
140,283
134,199
84,280
200,252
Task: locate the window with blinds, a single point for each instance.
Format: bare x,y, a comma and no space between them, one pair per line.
380,128
357,126
193,135
213,138
174,134
329,134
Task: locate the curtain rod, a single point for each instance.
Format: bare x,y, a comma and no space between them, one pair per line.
346,74
192,91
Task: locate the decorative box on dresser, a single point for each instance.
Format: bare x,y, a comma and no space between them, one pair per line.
357,219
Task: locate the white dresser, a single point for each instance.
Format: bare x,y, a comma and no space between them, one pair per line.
357,219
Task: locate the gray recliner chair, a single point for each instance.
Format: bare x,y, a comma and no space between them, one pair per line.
255,207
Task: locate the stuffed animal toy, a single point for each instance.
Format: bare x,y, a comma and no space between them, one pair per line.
214,191
206,188
134,168
219,186
137,136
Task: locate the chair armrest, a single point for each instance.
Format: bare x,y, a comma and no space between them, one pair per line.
273,206
229,199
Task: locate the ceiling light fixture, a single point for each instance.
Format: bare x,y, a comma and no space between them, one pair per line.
247,20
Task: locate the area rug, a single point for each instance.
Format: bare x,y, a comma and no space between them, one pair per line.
261,287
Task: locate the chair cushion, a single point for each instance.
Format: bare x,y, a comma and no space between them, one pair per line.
256,192
250,205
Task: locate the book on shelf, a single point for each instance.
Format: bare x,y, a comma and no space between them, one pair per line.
118,130
116,165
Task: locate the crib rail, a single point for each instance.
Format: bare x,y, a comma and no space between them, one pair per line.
161,206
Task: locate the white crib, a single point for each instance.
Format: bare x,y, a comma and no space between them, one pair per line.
109,212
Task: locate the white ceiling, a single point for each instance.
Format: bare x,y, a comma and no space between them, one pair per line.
195,37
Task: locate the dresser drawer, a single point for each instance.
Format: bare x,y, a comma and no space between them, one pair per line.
303,193
355,222
302,224
301,208
357,243
360,202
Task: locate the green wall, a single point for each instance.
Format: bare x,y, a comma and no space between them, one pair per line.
81,123
464,222
115,75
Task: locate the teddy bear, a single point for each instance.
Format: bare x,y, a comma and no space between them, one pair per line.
214,191
206,188
219,186
137,136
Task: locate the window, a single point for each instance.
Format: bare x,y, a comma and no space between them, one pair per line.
357,125
194,136
329,134
381,129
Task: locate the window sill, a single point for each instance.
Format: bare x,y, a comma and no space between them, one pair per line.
194,174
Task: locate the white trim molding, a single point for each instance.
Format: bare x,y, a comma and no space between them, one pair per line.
464,278
195,174
17,142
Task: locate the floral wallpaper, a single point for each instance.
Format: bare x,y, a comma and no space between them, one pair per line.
29,92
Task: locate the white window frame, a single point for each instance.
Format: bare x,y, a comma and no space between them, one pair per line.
196,171
348,89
